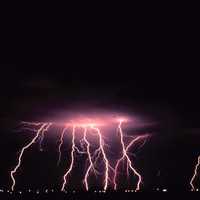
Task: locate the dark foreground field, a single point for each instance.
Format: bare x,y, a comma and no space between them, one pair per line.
99,196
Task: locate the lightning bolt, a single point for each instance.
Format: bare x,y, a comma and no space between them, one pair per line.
195,174
44,127
89,158
91,165
60,144
125,156
101,143
94,157
72,160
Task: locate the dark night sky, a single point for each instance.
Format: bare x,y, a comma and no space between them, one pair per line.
155,77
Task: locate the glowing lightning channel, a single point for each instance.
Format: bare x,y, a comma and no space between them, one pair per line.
125,156
72,160
195,174
60,145
40,130
101,143
91,166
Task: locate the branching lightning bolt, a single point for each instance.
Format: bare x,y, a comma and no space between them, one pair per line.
97,153
43,128
125,156
91,166
101,143
60,144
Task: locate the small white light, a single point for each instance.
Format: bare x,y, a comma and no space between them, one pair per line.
164,190
20,192
1,190
197,189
